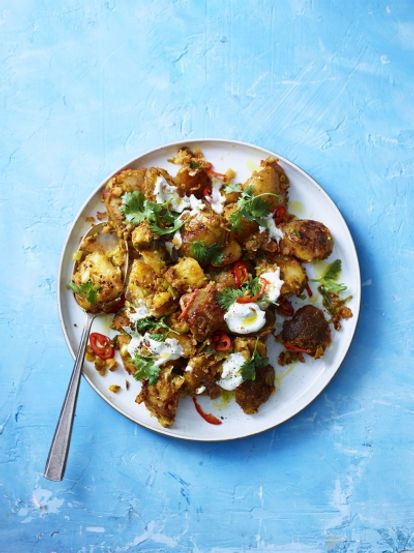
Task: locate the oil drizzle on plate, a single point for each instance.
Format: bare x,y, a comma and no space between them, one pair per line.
223,401
296,207
280,376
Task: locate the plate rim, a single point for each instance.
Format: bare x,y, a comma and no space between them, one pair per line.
166,431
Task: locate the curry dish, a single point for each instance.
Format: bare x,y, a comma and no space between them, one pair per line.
213,264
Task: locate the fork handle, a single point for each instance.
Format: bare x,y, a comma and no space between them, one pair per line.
58,453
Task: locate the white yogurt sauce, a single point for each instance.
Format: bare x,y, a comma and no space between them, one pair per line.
196,205
169,350
216,199
140,311
244,318
231,377
275,233
274,286
177,240
164,192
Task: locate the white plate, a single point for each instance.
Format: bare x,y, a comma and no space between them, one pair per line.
297,385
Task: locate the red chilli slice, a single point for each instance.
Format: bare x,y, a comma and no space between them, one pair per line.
297,349
208,417
221,341
240,273
101,346
211,171
248,299
279,214
285,307
191,299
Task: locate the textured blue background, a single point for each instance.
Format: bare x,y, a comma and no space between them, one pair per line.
84,87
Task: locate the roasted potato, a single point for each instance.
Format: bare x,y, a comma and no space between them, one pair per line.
271,181
250,395
206,227
155,259
224,278
104,276
259,241
202,371
121,343
141,281
231,253
204,315
145,282
142,237
292,273
193,176
190,181
308,332
186,274
129,180
248,344
306,239
246,227
161,399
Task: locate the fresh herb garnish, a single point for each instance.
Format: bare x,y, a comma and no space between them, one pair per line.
207,253
255,363
146,369
87,290
158,337
233,187
136,208
251,208
330,290
229,295
133,207
194,165
329,281
151,323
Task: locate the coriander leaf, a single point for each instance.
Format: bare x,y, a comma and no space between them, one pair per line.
251,208
194,165
333,270
255,363
257,208
253,285
87,290
133,207
146,369
248,370
233,187
151,323
228,296
236,219
136,208
332,287
158,337
205,253
328,281
163,230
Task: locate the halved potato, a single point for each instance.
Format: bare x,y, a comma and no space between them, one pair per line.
271,182
206,227
306,239
130,180
186,274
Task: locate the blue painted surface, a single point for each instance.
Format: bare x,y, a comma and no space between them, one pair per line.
88,85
